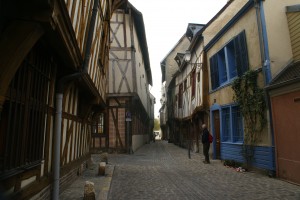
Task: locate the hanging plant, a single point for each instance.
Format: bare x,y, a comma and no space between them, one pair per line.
252,104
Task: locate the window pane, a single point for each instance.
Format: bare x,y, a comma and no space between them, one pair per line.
237,124
225,124
231,60
222,67
214,73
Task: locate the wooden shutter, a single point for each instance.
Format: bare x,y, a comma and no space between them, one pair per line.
214,73
241,53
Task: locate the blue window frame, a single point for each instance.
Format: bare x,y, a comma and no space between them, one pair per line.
232,124
231,61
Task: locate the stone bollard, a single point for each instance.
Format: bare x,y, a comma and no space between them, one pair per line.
101,169
103,158
89,191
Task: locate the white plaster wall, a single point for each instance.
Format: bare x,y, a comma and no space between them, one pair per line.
138,141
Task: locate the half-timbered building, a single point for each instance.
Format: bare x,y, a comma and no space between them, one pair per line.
169,67
129,100
190,110
53,83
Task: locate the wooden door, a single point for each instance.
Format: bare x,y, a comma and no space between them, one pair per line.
286,125
216,120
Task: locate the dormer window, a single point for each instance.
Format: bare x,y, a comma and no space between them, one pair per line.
179,58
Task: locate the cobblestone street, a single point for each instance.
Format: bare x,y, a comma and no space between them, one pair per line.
163,171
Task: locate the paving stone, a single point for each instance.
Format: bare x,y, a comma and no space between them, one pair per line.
163,170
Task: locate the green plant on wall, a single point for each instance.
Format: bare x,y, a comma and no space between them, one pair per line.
251,100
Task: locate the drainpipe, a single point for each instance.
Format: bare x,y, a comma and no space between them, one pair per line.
264,49
263,40
59,99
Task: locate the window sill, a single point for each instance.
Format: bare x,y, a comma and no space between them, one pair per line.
226,84
237,143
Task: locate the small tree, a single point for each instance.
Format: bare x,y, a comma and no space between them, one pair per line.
156,124
251,100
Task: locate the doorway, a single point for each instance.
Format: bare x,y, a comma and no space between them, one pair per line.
216,124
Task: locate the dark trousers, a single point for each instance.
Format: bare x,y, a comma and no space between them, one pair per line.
205,151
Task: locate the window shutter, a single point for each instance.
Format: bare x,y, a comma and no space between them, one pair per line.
214,74
241,53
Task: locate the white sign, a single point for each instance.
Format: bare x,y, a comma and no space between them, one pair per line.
128,116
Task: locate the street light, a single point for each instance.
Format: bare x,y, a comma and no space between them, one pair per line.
187,58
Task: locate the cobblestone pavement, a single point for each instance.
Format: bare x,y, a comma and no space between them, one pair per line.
101,183
162,170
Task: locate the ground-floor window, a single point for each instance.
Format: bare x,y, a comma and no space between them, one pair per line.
232,124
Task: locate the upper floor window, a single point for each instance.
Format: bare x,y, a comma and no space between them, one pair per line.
185,84
180,96
229,62
193,82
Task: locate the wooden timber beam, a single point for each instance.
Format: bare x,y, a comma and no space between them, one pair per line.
15,43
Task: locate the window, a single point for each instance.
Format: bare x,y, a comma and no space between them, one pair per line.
232,124
180,96
226,124
185,84
229,62
101,123
25,115
237,126
193,82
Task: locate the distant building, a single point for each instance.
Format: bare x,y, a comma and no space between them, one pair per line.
169,67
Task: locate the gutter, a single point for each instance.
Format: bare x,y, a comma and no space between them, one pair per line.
59,98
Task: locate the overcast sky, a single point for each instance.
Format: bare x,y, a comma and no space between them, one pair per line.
165,22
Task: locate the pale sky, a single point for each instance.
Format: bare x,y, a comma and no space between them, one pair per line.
165,22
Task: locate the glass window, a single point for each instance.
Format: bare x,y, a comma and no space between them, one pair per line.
180,95
237,124
232,124
226,124
229,62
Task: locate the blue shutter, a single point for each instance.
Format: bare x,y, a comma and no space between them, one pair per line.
241,53
214,73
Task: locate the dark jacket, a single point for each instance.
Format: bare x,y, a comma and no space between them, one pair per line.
205,135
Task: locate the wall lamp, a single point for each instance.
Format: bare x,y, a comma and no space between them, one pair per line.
187,58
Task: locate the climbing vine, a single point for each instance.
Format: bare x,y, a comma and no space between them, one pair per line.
252,104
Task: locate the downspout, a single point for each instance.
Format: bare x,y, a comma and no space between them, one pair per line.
59,99
264,49
263,40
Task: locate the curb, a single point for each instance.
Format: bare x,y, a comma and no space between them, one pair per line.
104,191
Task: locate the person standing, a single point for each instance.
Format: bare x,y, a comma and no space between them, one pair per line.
205,142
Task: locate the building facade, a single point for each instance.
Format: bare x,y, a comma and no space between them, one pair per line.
130,103
190,90
169,67
54,66
284,93
243,37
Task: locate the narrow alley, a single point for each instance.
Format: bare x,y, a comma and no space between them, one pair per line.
162,170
